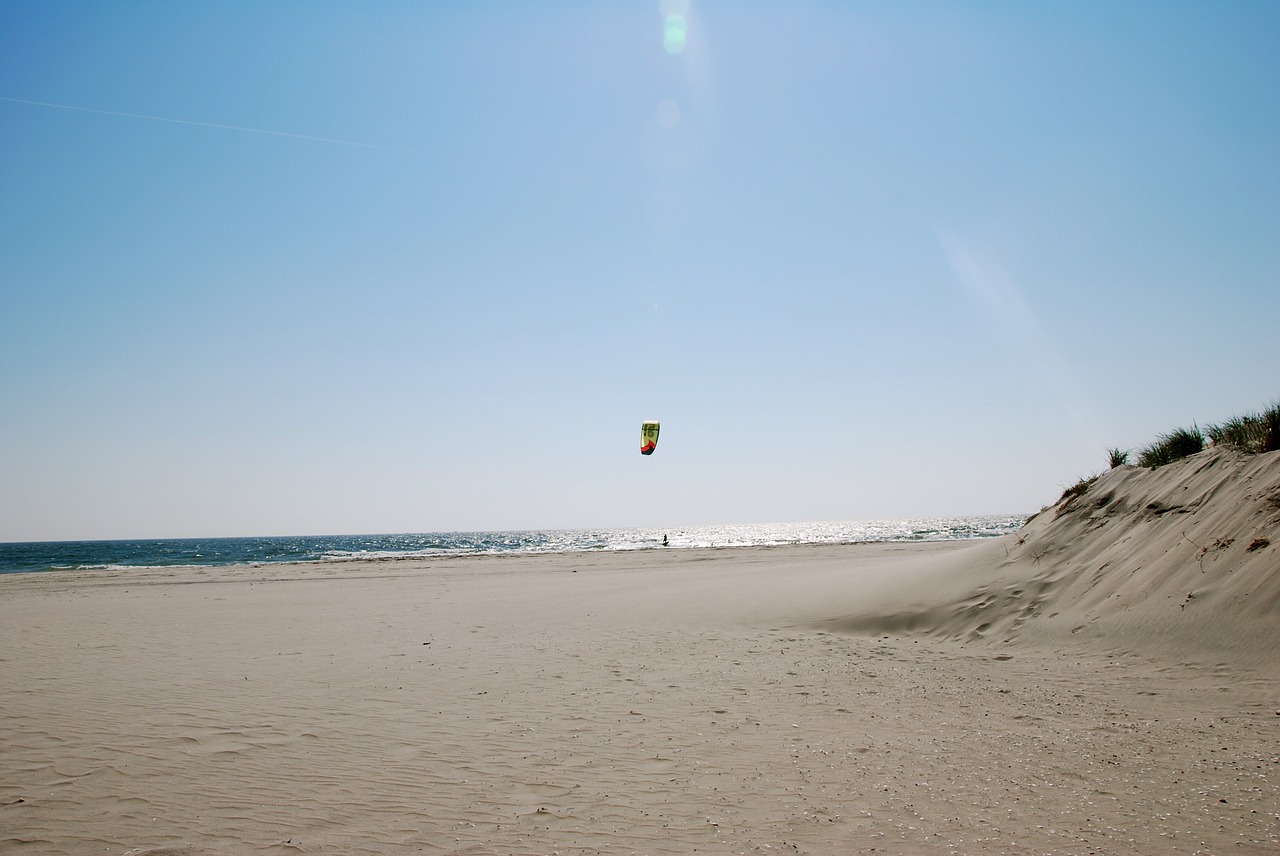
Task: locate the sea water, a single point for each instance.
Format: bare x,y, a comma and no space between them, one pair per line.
212,552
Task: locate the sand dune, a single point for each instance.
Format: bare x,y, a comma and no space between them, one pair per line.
1180,561
1105,681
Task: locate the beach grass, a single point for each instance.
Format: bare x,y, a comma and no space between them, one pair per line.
1173,446
1252,433
1078,489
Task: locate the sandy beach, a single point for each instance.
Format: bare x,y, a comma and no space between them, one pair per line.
1105,681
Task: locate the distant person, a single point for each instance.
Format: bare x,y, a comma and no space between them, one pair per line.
664,541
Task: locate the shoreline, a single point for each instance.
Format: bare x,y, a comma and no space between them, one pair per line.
216,552
412,564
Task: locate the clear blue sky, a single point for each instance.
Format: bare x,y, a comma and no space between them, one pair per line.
863,260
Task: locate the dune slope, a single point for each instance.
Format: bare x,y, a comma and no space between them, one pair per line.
1182,560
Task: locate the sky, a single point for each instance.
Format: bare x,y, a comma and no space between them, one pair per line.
306,267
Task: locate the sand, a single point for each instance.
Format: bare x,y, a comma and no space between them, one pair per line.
1104,681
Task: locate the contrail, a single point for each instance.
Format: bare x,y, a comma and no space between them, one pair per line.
221,127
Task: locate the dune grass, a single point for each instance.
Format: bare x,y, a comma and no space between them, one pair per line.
1078,489
1174,446
1252,433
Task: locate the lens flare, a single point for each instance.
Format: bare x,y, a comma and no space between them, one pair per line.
674,32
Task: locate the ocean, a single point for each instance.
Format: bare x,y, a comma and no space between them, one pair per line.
53,556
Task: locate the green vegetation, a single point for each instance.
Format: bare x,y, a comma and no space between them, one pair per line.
1174,446
1252,433
1080,488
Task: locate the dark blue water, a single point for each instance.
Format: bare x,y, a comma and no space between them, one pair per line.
207,552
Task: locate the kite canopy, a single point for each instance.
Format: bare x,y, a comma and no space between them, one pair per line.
648,437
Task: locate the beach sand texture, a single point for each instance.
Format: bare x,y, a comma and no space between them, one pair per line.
1104,681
